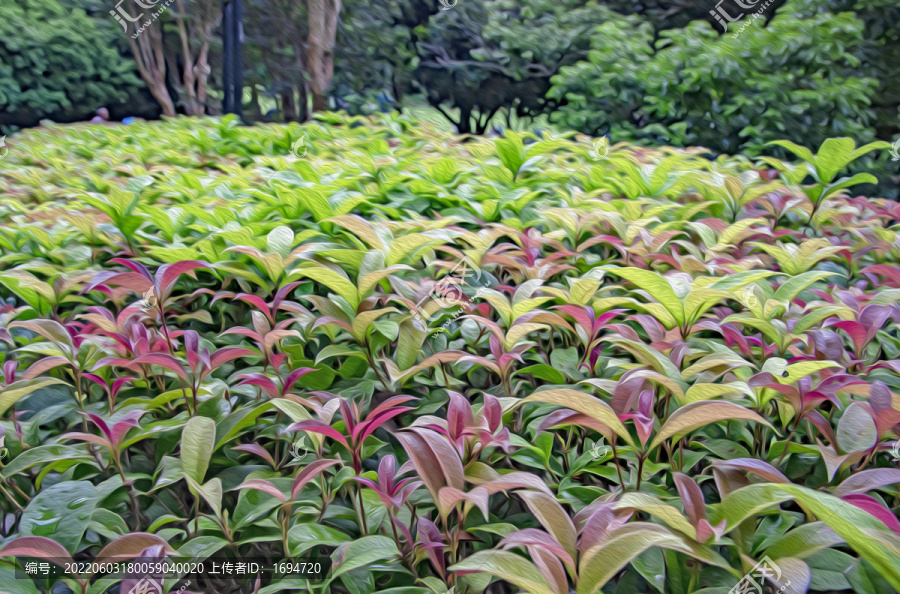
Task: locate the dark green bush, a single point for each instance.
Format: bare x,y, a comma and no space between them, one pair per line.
57,62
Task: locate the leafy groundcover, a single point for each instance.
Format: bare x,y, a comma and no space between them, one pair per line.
522,364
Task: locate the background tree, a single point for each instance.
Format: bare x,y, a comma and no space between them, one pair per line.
174,49
323,21
58,62
275,57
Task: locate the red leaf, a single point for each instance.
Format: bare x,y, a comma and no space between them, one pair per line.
130,546
43,365
309,473
130,280
692,497
258,379
535,537
161,359
222,356
134,266
257,302
871,505
255,448
169,273
364,429
322,429
264,486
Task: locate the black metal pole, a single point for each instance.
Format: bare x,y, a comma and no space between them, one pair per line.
237,55
228,57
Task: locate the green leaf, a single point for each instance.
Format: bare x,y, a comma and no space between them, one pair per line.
602,562
334,281
338,350
211,493
362,552
61,512
198,439
507,566
511,153
43,454
544,372
658,287
13,584
232,425
862,531
792,287
803,541
280,240
833,155
699,392
699,414
655,507
22,388
585,404
201,547
306,536
802,152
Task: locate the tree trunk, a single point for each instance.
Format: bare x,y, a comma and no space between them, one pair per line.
195,72
254,108
288,106
303,103
323,20
397,88
302,88
155,66
464,126
148,54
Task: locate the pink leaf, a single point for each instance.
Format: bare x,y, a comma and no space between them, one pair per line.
871,505
264,486
309,473
36,546
161,359
535,537
134,266
100,424
757,467
322,429
258,379
293,376
257,302
43,365
364,429
255,448
227,354
169,273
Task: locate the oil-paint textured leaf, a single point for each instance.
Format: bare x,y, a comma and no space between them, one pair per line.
586,405
22,388
848,521
600,563
699,414
198,440
507,566
61,512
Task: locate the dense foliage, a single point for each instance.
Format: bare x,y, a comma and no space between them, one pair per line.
519,364
58,62
805,76
657,72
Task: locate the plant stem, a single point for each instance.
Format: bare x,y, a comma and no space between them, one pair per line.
788,442
11,498
362,510
640,471
616,461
